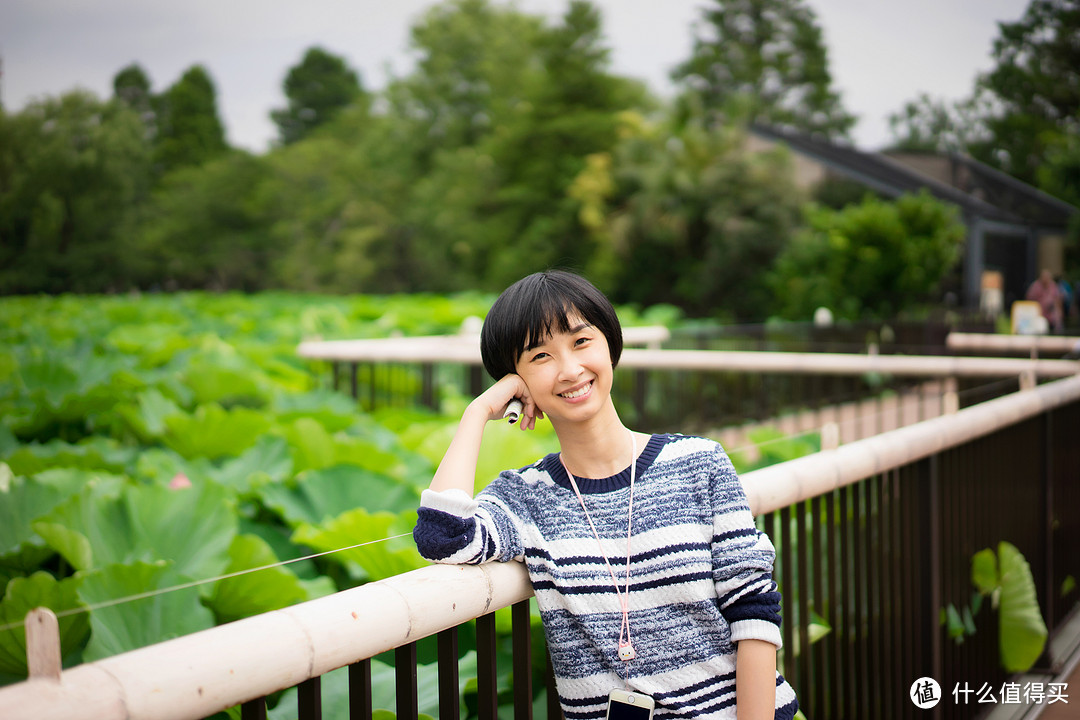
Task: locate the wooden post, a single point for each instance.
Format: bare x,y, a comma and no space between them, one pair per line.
43,645
830,436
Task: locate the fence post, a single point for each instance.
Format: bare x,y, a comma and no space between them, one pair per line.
43,656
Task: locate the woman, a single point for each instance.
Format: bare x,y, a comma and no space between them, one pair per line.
648,570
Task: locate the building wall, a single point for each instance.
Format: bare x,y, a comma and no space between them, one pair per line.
808,172
1050,254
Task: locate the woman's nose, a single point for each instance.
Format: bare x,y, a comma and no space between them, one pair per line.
569,367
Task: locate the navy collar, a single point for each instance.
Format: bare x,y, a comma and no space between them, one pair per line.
588,486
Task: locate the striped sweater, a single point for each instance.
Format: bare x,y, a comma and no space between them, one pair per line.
701,573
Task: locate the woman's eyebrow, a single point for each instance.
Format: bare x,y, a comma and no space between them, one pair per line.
573,331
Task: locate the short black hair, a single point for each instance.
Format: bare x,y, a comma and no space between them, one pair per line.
525,313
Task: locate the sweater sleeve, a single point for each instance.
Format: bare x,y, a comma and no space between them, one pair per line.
743,559
456,529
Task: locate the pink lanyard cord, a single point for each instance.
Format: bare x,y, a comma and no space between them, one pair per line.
625,645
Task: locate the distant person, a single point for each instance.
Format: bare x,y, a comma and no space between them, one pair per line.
1047,293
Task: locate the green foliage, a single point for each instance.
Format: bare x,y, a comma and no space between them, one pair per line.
1036,79
694,219
317,88
929,124
160,616
1006,579
207,226
771,446
132,86
269,589
148,444
70,168
872,260
24,594
1023,116
764,60
516,108
189,131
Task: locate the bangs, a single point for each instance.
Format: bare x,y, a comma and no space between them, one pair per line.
538,306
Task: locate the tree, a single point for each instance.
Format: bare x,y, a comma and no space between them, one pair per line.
1037,82
189,131
873,260
475,64
929,124
689,217
208,227
764,59
317,89
71,169
502,110
132,86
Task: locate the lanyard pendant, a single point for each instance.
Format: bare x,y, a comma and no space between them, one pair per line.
626,652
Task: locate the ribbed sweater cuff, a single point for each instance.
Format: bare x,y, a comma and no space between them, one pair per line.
756,630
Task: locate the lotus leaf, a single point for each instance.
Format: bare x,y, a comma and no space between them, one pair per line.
320,495
226,379
213,432
312,446
146,417
1023,632
139,620
380,555
268,461
332,410
88,530
39,590
253,592
97,453
21,502
192,528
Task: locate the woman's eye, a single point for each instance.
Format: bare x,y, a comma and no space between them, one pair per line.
539,356
582,340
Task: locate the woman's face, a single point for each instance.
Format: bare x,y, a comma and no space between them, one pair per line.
569,374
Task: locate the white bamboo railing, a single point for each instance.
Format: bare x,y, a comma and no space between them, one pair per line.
1012,343
196,675
465,349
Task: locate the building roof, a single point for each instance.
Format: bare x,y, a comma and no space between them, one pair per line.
986,192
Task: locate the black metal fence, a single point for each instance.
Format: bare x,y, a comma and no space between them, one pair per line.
876,565
867,573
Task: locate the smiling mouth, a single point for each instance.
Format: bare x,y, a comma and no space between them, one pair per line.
570,395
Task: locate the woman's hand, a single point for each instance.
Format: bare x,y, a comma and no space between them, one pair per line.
458,467
493,401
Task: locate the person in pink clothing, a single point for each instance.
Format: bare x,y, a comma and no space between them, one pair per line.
1046,292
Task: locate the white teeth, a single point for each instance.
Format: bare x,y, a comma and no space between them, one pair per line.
576,393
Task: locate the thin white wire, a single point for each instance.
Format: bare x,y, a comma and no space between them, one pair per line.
194,583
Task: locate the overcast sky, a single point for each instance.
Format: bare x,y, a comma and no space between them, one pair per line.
881,53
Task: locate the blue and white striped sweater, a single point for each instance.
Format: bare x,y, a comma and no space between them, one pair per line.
701,573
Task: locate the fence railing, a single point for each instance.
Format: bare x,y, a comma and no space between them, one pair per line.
1029,345
689,389
874,541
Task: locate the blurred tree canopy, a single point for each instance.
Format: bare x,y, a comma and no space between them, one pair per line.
1023,116
71,168
872,260
510,147
188,129
689,217
318,88
764,60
